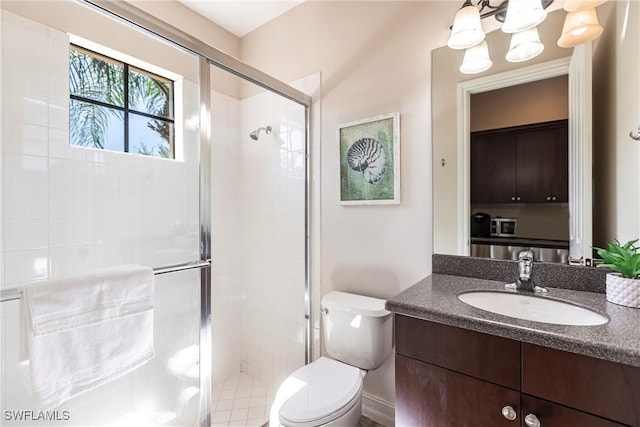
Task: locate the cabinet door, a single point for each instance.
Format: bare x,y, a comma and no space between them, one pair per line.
493,168
553,415
486,357
542,165
600,387
430,396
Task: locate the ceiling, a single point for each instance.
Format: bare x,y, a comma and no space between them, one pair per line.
240,17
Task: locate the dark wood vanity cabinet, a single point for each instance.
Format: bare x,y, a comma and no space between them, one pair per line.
453,377
523,164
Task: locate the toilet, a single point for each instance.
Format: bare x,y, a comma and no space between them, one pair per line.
358,335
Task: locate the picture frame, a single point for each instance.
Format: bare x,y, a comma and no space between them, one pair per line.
369,161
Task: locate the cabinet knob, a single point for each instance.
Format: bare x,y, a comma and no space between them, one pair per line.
513,198
532,421
518,198
548,198
509,413
553,198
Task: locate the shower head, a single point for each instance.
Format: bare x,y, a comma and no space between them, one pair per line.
256,133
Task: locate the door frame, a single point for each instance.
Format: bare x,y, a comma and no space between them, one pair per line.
542,71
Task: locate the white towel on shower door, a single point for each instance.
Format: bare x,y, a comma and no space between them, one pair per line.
84,331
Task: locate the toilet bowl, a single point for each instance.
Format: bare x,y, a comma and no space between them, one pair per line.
328,392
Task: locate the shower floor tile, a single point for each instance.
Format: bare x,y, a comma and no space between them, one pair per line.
240,401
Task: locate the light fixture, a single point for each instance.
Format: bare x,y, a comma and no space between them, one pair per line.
578,5
523,15
467,29
476,59
517,16
524,45
580,27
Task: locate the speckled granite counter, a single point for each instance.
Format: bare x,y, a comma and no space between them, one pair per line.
435,299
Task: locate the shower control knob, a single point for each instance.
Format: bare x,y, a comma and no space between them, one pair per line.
509,413
532,421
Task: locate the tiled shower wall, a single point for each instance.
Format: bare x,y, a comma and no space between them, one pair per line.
273,220
66,210
225,236
258,230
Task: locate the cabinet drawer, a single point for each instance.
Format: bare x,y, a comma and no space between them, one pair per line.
430,396
487,357
551,415
603,388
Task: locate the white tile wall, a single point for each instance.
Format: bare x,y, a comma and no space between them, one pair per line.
258,239
64,210
273,243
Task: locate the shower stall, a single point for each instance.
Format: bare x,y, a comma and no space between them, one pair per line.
226,224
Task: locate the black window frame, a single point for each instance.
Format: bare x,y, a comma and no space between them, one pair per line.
126,109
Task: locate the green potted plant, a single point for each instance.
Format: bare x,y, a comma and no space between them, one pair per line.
623,286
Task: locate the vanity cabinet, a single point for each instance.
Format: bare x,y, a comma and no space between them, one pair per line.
453,377
523,164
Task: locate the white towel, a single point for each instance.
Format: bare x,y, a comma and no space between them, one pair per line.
85,331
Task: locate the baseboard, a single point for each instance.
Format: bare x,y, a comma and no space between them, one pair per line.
379,410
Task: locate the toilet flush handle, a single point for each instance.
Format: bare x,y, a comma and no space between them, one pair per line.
324,310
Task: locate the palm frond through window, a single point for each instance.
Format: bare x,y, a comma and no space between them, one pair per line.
118,107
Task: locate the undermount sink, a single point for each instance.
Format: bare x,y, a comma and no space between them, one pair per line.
529,307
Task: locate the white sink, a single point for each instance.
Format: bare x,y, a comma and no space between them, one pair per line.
529,307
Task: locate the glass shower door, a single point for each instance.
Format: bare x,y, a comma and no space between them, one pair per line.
68,210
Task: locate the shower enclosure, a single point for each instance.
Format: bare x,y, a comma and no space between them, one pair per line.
226,224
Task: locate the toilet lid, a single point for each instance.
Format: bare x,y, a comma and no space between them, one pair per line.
329,386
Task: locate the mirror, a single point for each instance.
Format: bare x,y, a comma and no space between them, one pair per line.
615,210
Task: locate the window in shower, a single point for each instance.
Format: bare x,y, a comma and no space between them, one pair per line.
118,107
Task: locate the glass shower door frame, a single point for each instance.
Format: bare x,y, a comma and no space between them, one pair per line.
209,55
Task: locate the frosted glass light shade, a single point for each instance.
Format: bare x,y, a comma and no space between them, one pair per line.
578,5
476,59
467,29
523,15
525,45
580,27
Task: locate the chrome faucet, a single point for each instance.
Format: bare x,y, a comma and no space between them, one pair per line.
524,282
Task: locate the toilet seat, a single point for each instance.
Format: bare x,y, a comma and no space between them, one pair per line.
330,389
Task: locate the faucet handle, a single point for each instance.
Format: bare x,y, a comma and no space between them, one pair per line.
525,256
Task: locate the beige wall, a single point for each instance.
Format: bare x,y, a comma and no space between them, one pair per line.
616,85
374,58
535,102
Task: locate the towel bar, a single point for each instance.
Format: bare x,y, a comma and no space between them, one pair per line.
16,293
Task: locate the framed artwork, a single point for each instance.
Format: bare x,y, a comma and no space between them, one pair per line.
370,161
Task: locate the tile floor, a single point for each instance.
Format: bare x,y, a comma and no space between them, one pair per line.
244,401
240,401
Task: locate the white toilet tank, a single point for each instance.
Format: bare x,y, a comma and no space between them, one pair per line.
357,329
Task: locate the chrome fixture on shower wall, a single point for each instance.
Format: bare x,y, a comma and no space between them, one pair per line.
256,133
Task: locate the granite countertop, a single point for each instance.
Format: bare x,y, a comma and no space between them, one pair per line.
435,299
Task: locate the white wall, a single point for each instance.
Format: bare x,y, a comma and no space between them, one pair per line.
67,210
616,113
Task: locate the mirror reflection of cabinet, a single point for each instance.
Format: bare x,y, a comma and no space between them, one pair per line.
522,164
